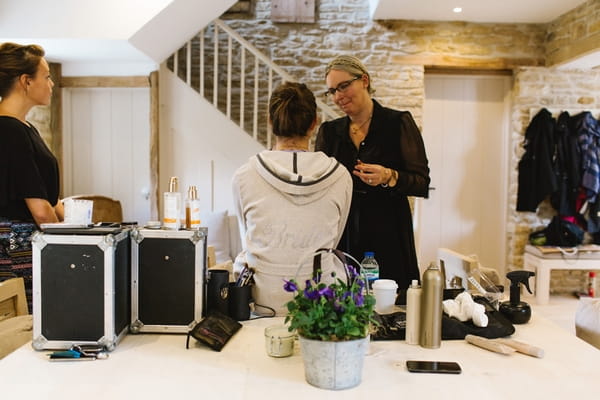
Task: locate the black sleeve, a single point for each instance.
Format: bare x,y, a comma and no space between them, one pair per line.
413,171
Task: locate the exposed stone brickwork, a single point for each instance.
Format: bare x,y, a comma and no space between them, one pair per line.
41,118
345,27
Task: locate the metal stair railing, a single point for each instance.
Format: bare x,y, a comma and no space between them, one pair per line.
243,82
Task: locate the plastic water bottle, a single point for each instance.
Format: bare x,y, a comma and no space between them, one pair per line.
370,268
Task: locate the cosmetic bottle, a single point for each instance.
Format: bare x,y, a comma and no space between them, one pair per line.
430,335
192,209
413,310
172,206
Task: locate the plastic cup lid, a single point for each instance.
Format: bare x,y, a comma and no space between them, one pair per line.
385,284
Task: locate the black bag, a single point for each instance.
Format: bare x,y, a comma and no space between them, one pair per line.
215,330
558,233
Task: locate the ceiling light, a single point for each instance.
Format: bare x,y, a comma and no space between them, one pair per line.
457,9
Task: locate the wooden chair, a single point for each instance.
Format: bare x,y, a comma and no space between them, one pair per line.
15,323
105,209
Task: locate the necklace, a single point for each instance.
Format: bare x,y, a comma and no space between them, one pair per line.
356,129
290,149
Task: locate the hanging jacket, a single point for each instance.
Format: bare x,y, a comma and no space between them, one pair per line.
566,167
537,178
588,133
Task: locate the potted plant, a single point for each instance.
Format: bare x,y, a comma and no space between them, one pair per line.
332,321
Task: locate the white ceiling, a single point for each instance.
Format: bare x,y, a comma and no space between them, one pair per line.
504,11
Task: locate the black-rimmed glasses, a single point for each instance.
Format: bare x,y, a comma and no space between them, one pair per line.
341,87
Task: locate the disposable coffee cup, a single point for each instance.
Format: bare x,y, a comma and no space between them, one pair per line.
279,341
78,211
384,291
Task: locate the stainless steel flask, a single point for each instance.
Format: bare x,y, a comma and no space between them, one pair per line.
431,307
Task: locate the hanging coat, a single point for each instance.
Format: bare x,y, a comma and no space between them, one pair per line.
536,174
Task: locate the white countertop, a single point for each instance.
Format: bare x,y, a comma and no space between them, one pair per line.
153,366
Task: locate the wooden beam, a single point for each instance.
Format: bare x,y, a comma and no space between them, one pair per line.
56,122
104,81
468,63
468,71
573,49
154,142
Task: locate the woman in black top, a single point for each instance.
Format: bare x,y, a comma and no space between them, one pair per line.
29,178
384,151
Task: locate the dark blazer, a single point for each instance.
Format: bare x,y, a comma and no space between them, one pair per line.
380,218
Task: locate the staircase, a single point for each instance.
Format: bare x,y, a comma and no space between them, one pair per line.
234,76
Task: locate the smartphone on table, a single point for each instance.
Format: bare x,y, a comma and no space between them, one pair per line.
435,367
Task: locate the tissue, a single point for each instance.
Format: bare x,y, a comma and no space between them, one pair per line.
464,308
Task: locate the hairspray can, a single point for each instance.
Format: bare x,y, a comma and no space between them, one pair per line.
413,312
431,307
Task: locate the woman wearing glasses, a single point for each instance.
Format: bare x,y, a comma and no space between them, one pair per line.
384,151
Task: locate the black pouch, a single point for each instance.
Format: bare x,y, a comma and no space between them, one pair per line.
215,330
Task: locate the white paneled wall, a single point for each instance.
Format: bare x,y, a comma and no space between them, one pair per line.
106,146
465,129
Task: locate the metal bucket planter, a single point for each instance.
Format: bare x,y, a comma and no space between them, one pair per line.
333,365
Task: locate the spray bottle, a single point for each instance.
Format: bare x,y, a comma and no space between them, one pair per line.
192,209
413,312
517,311
172,206
430,335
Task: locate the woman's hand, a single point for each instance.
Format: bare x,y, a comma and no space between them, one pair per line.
374,174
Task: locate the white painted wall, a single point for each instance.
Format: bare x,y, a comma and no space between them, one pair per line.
195,138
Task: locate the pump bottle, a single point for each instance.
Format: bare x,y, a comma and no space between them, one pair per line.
430,335
413,310
172,206
192,209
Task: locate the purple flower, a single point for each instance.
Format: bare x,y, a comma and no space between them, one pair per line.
352,272
311,294
361,284
359,299
290,286
327,292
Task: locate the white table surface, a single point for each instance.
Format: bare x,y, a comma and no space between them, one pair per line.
153,366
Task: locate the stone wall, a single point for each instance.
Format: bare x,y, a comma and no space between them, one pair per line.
393,51
41,118
398,53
